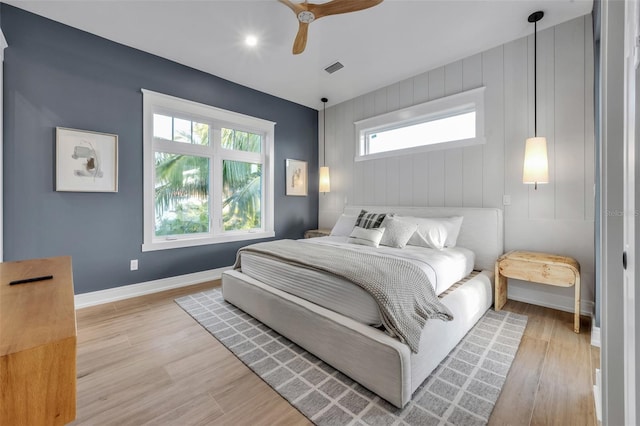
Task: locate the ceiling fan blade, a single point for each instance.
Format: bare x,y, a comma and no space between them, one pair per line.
296,7
308,12
336,7
301,38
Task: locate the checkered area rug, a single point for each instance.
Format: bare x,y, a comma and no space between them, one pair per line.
461,391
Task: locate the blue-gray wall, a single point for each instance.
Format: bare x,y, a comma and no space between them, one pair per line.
55,75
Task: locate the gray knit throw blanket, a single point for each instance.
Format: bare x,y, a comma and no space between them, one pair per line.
401,289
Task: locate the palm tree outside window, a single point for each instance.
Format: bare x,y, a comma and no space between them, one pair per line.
209,177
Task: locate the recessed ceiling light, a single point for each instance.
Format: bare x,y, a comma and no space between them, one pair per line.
251,40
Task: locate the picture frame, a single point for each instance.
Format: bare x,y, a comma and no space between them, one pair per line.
296,178
86,161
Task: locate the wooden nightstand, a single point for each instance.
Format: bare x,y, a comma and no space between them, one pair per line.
313,233
540,268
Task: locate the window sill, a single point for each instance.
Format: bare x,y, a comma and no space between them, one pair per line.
420,149
194,242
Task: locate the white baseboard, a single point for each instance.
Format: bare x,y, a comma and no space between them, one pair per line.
85,300
549,300
597,395
595,334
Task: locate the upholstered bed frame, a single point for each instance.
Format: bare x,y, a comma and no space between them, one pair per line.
371,357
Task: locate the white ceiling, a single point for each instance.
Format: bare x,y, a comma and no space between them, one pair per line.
379,46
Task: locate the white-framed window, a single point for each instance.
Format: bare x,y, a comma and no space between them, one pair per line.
449,122
208,174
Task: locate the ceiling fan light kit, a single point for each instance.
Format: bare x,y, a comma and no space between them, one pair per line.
306,17
308,12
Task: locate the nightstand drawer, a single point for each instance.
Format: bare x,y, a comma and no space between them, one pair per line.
538,272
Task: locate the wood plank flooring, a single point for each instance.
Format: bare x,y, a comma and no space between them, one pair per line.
144,361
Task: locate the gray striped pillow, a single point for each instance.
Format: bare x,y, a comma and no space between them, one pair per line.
369,220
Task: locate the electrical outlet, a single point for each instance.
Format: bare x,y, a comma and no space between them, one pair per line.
134,264
506,200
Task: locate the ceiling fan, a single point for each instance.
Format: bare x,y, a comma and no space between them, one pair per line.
309,12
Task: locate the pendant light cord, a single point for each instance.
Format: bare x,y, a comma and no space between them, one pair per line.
535,17
324,135
324,131
535,79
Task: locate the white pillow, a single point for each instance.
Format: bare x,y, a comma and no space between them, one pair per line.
397,232
344,225
433,236
453,225
434,232
367,237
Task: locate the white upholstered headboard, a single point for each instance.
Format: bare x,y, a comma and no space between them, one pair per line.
482,229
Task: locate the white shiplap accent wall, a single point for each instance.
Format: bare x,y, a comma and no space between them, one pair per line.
558,217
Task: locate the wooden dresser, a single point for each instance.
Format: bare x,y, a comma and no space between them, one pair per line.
37,343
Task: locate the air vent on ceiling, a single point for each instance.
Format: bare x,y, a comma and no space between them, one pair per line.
334,67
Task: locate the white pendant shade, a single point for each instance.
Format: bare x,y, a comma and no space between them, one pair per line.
536,165
325,180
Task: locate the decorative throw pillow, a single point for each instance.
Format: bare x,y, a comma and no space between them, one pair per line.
369,220
397,232
344,225
366,237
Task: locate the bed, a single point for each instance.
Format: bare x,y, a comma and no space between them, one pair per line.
354,344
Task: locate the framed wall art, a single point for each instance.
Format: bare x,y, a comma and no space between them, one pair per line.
296,173
86,161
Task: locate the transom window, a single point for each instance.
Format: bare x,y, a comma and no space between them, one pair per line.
449,122
208,174
180,130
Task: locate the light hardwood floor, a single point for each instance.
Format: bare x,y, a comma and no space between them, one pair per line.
145,361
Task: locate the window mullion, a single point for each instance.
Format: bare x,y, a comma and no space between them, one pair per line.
216,196
216,179
181,148
248,157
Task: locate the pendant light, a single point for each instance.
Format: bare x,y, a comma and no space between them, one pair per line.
325,181
536,165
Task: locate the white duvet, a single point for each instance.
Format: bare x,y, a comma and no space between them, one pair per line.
443,267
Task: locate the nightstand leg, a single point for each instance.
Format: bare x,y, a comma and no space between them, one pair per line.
576,319
500,290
